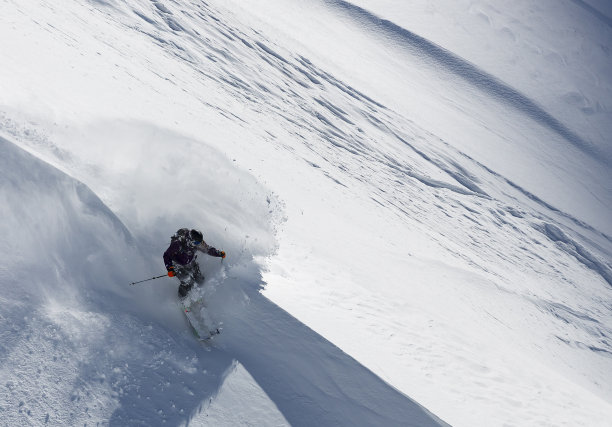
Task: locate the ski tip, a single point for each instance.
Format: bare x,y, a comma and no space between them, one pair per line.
212,334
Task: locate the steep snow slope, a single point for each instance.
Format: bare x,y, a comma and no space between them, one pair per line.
482,114
556,52
404,213
81,347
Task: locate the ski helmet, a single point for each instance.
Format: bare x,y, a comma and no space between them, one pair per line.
196,236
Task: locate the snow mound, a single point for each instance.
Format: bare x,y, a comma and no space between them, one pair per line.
59,236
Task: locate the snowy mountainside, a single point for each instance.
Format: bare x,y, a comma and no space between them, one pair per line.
556,52
461,101
69,327
386,236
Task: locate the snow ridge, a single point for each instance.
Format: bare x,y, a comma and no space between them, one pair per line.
596,12
467,71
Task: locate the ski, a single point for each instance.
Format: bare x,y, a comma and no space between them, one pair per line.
193,312
209,337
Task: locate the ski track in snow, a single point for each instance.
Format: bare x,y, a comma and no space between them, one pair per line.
354,142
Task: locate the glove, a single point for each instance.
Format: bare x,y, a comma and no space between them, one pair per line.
171,271
222,253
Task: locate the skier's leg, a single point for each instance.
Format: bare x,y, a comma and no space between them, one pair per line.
183,290
197,274
186,278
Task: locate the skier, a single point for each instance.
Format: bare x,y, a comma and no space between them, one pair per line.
180,258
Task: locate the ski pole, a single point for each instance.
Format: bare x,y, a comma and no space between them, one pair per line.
146,280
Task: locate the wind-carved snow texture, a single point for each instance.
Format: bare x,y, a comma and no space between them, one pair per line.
578,251
474,214
344,134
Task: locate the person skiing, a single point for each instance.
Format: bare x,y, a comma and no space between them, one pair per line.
180,258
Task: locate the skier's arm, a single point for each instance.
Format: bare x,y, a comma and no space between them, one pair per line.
215,252
207,249
169,255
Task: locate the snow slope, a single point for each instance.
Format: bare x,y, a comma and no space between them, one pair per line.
461,101
554,52
401,217
62,318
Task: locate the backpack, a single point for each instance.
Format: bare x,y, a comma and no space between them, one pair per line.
181,235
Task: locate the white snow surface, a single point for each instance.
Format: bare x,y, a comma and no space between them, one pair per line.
415,200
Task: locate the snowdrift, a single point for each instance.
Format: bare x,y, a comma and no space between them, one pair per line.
58,236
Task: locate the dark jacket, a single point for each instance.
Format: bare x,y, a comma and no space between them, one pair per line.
181,253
